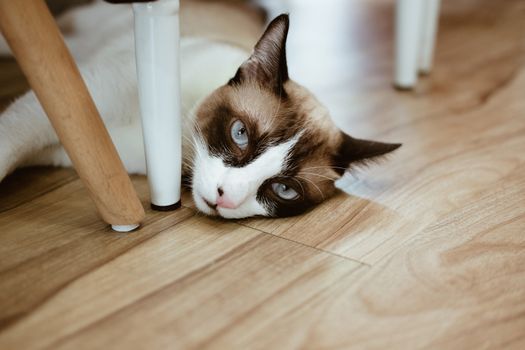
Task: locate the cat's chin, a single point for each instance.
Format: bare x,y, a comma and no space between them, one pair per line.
202,206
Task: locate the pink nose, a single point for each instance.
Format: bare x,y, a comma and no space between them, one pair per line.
225,202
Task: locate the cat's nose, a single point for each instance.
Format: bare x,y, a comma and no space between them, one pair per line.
223,201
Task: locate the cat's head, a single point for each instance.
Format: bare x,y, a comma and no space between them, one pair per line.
265,145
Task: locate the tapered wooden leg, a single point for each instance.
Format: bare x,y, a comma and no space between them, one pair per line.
157,51
53,75
429,24
407,41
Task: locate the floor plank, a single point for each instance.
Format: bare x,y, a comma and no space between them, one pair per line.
425,250
29,183
58,237
416,190
199,274
459,285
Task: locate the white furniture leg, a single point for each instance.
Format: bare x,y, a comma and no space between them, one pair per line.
430,16
407,37
157,54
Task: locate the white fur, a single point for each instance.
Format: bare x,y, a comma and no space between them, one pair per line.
104,50
240,185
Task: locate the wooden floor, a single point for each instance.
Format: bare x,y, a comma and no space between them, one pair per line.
427,251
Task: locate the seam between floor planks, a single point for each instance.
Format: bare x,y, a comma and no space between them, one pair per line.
43,301
145,297
57,186
216,263
308,246
207,342
4,326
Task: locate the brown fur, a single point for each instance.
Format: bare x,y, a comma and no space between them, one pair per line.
275,109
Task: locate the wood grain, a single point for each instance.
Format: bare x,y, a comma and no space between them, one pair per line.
30,183
39,48
78,240
417,190
425,250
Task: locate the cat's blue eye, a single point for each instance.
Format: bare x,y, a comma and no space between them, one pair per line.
284,191
239,134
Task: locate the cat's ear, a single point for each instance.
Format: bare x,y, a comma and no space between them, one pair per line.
351,150
267,64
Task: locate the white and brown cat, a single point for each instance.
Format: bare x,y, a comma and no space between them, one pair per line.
255,142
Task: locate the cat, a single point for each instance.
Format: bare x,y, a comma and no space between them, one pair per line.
256,143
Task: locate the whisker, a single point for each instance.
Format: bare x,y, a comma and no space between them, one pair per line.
190,141
325,166
313,183
314,174
299,182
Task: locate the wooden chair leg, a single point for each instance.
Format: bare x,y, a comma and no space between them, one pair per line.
53,75
157,52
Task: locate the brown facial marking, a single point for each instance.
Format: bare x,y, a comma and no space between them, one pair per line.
275,109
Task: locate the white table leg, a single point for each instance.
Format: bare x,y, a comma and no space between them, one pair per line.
407,40
428,34
157,54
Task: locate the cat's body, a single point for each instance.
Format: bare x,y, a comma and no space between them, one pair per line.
101,40
256,144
